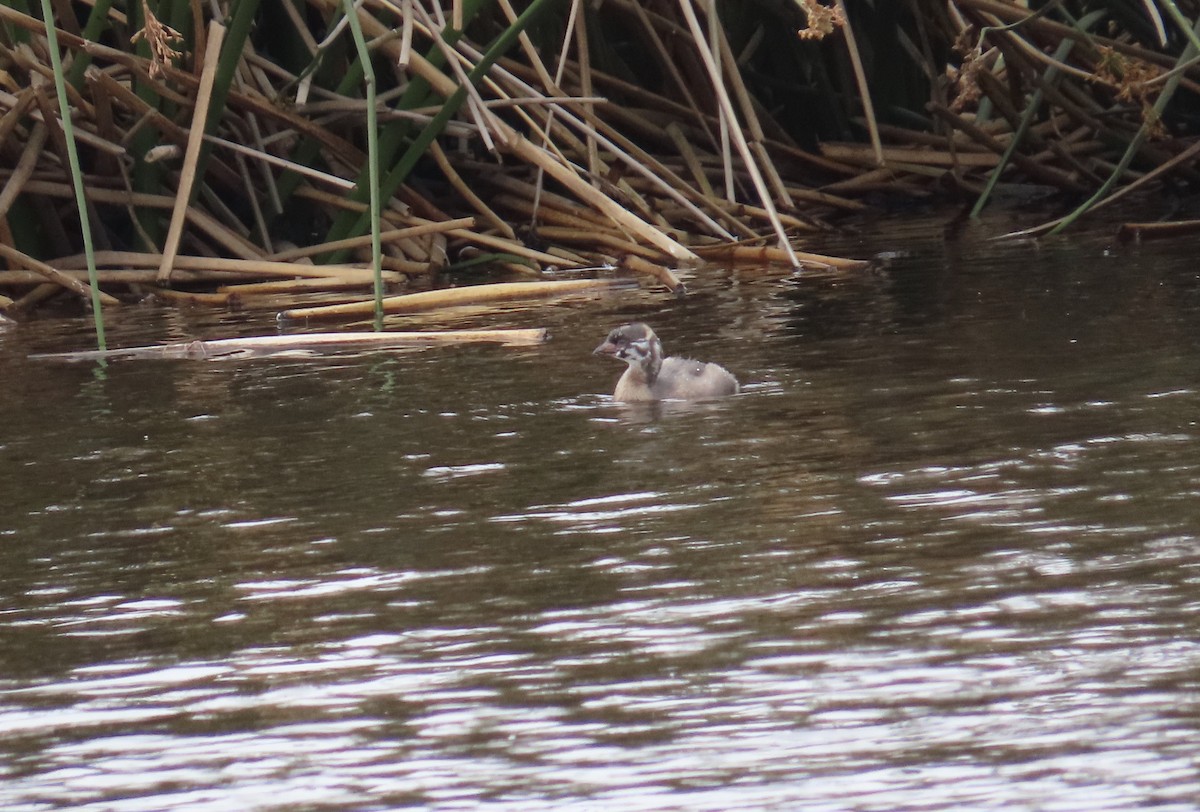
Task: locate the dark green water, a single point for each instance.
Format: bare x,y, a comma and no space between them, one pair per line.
944,552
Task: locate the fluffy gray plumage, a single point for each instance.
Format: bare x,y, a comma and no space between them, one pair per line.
650,376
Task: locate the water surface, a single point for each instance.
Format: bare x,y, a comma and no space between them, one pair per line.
942,553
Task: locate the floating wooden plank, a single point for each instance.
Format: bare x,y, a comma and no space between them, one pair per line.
304,343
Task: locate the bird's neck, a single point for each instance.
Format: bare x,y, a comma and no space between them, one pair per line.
650,364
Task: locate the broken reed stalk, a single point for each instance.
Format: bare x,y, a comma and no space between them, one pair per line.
85,227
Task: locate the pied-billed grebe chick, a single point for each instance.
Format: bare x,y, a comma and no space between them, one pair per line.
650,376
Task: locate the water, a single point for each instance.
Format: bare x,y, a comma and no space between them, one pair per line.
942,553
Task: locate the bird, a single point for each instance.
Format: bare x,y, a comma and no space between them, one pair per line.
651,377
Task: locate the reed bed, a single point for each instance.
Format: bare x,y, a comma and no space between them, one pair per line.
235,159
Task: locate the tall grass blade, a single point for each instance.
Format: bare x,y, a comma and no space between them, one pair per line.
85,224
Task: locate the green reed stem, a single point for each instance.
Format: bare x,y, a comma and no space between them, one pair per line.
364,58
97,23
85,223
1031,110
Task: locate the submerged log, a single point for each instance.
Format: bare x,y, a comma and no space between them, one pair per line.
305,343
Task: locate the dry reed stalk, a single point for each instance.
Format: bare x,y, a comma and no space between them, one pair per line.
826,199
42,292
522,148
198,218
106,165
1031,167
636,201
671,110
1150,231
525,196
191,158
690,159
409,267
412,248
667,62
864,156
505,246
860,78
193,299
633,156
123,97
742,211
517,269
79,288
24,169
558,169
48,119
267,158
18,106
529,49
749,113
637,264
584,61
571,259
553,215
883,178
763,254
308,285
261,267
1005,13
629,202
1077,150
667,181
475,106
468,194
416,230
953,140
774,180
262,346
714,76
1184,158
126,277
331,201
615,242
454,297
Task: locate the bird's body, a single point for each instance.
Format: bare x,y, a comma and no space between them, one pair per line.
650,376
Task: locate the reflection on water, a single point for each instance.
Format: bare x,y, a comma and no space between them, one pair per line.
940,554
